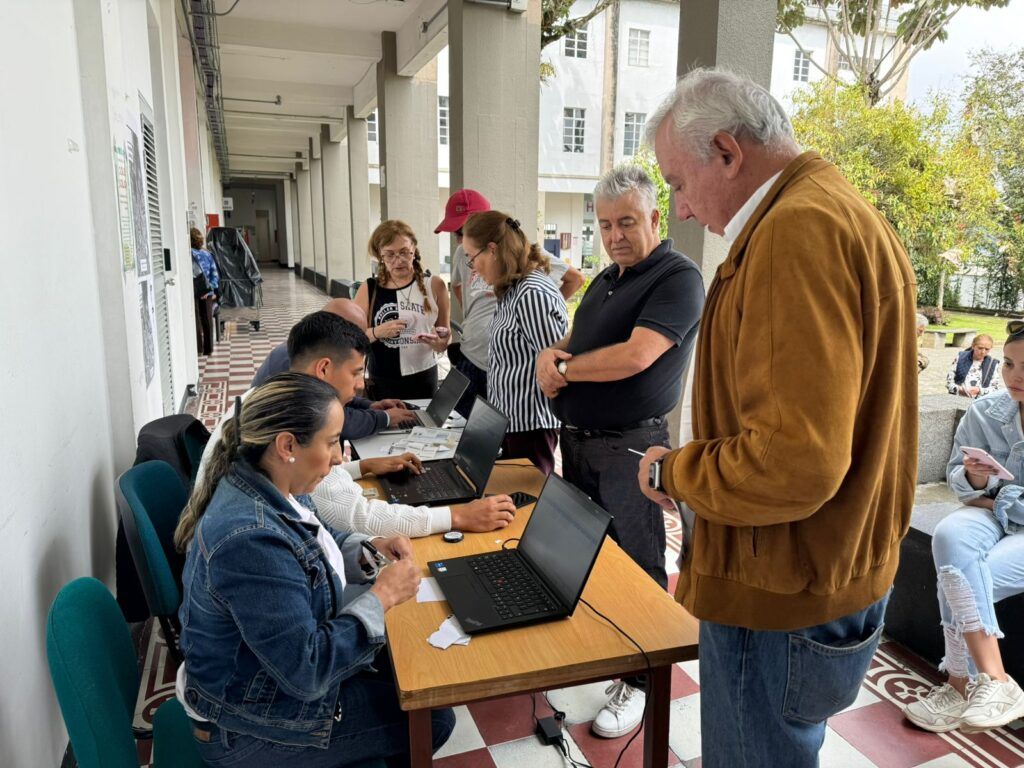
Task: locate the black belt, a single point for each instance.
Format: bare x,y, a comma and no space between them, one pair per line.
657,421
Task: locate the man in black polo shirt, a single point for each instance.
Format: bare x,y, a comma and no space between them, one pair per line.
618,373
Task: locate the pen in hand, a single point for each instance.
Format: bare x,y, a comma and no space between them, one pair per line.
638,453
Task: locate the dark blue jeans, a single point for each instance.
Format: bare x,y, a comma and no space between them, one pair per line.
765,696
603,468
373,726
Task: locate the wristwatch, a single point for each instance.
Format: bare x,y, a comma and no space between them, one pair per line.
654,476
562,367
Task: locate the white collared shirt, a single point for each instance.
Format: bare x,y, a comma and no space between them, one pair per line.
742,216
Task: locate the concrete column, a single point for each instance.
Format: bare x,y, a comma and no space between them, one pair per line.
316,194
738,35
288,256
337,208
407,133
494,92
305,200
293,222
359,193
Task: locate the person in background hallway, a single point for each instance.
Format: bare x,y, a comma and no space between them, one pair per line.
407,321
615,377
362,417
530,316
280,669
327,347
802,486
207,302
974,372
477,298
922,358
979,559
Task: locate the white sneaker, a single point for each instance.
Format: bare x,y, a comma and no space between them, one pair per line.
622,713
992,703
941,709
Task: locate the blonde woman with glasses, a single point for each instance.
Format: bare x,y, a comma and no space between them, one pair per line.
407,319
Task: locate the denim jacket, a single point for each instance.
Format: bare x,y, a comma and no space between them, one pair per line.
267,639
993,424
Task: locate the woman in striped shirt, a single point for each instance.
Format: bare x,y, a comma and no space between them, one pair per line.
530,316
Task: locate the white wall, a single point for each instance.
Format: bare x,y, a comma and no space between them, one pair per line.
814,39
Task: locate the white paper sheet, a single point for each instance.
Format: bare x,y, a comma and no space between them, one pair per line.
429,591
448,634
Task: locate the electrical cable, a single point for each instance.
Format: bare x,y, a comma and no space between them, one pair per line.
504,545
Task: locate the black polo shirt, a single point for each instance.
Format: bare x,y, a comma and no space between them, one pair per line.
664,292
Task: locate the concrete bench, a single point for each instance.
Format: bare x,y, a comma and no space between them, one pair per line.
937,339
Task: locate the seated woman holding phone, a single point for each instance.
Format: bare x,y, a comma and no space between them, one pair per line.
407,320
979,558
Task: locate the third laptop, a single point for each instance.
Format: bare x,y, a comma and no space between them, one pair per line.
441,405
461,478
539,580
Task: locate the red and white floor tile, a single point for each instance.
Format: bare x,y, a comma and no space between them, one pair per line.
871,733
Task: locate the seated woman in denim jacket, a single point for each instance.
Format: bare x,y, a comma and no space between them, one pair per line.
979,557
277,665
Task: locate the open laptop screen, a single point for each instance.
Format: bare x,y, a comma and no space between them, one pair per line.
562,539
480,442
447,395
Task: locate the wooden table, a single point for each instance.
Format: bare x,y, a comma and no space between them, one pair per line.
555,654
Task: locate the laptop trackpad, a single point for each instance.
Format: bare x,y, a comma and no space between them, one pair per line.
470,602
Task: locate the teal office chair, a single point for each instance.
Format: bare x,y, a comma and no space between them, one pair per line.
150,498
96,677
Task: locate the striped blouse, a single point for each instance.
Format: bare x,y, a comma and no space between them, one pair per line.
529,317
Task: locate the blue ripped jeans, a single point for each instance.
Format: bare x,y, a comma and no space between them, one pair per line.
978,564
765,696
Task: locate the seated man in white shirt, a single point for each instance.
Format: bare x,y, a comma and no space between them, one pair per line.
335,350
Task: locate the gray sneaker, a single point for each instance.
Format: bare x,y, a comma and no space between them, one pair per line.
992,703
940,710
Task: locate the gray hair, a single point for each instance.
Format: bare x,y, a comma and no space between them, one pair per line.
624,179
922,321
709,101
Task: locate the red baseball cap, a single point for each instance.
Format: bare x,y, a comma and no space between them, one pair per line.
459,208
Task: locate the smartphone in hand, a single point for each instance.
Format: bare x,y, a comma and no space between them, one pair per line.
986,458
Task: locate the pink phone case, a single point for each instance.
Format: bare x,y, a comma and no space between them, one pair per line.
986,458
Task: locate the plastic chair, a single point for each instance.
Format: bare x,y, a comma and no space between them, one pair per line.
96,678
150,498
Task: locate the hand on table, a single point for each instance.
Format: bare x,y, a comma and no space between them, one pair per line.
399,416
490,513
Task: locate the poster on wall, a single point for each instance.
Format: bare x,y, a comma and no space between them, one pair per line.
139,219
124,208
147,311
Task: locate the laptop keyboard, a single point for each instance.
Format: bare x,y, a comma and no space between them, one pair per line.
512,586
432,483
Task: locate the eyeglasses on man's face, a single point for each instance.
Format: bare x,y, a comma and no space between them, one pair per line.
392,256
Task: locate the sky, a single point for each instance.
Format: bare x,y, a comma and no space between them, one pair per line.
941,66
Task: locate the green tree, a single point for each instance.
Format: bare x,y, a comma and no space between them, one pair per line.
646,160
878,39
555,22
922,170
994,118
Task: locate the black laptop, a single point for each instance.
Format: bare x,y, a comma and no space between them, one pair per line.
461,478
441,405
542,578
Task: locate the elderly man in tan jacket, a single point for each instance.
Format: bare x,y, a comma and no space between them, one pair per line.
802,468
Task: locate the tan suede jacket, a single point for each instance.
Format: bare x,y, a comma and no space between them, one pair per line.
804,459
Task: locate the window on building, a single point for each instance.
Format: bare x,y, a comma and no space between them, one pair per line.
801,67
573,126
576,44
371,127
639,47
632,133
846,64
442,119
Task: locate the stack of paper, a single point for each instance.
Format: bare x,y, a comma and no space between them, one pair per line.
428,443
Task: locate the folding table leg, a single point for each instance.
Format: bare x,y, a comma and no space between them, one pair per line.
421,740
659,688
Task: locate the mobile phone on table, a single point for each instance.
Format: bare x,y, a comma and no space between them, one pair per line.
986,458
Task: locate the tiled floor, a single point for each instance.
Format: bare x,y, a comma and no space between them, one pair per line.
498,734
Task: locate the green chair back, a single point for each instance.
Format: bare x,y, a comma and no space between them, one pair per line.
95,674
150,498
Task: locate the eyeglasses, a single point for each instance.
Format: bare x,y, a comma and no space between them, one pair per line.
1015,327
392,256
471,259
